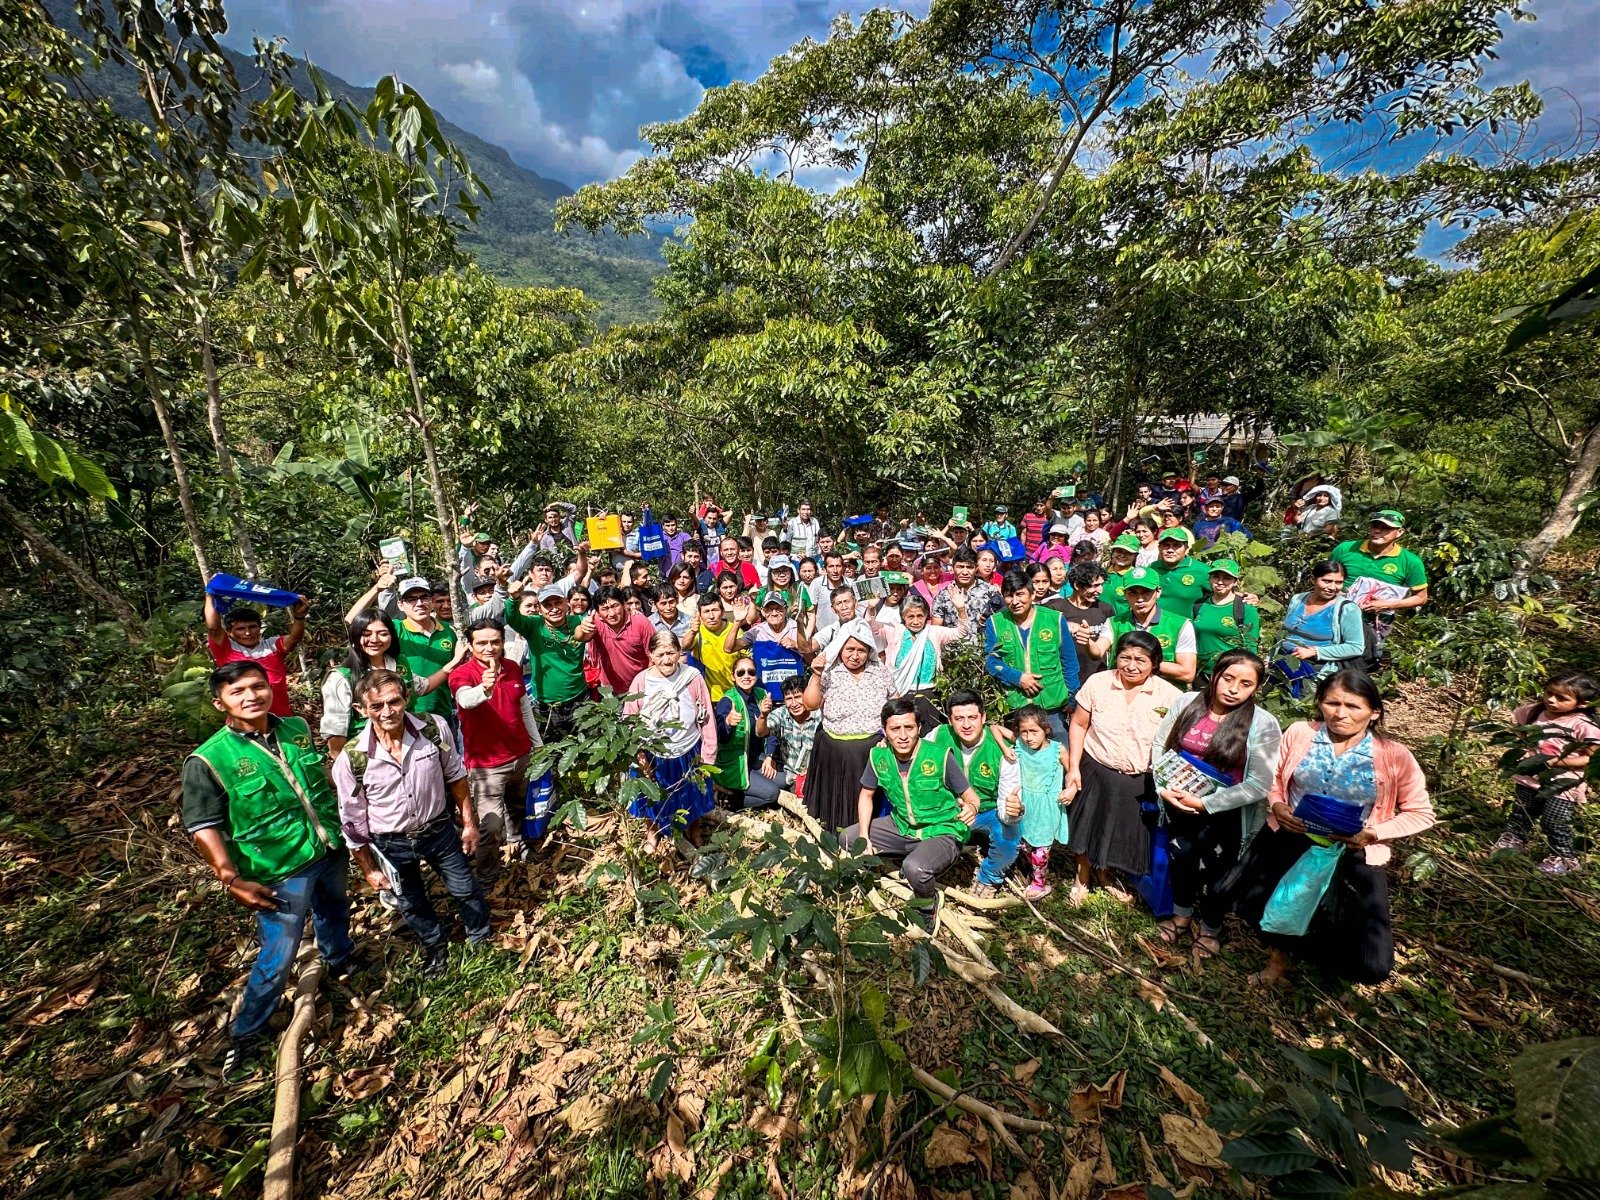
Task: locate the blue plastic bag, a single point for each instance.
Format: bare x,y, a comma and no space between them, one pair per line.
1155,888
652,540
536,805
228,588
1294,901
1009,549
1330,815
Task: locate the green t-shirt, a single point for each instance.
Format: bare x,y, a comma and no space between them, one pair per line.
1398,566
1112,592
1216,631
1183,584
423,654
555,659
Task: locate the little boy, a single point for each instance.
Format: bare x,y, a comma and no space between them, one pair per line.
790,732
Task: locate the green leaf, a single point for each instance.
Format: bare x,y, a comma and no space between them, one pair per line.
774,1086
244,1168
1558,1104
1269,1154
662,1077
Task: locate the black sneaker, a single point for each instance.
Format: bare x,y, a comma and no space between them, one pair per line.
436,960
242,1057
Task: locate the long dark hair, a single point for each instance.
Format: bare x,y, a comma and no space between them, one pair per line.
1230,744
356,660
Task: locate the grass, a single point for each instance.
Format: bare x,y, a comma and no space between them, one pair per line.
519,1072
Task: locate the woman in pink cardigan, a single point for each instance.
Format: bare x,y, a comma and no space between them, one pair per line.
1344,757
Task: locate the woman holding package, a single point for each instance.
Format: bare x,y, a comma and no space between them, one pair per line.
1314,880
671,698
850,684
1216,752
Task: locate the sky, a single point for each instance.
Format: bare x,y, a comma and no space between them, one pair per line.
564,85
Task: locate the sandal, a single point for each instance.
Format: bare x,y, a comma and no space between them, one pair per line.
983,891
1169,931
1206,946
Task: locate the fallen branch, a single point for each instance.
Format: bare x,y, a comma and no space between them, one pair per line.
1504,972
279,1183
999,1120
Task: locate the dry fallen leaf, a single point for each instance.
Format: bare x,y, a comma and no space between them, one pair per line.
672,1156
358,1085
948,1147
587,1114
1078,1180
1023,1073
1128,1191
1025,1187
774,1125
1154,996
1150,1167
70,998
1195,1141
1198,1108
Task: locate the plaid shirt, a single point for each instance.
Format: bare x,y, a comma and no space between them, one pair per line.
788,741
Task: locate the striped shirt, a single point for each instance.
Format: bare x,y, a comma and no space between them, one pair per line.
788,741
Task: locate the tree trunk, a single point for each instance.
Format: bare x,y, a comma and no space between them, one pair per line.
430,452
180,473
230,476
1582,470
80,576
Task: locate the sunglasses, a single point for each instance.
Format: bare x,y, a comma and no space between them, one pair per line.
744,674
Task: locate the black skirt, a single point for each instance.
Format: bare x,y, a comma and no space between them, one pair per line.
833,781
1350,935
1109,821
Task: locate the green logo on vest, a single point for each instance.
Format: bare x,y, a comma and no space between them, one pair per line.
447,644
986,769
1187,580
1046,635
928,768
245,769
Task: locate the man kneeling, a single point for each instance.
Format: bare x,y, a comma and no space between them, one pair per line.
931,804
392,780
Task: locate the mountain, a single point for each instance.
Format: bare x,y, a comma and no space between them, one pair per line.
515,237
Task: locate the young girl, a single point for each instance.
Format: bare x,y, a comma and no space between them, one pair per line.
672,700
1569,733
1043,766
1225,728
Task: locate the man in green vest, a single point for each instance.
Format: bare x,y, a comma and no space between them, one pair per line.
1184,581
1029,649
424,644
1172,629
1119,561
994,777
257,801
931,803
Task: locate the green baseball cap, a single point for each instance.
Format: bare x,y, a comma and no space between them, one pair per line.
1141,577
1225,566
1393,518
1126,541
481,537
1176,534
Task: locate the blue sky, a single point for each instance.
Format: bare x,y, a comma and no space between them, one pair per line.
565,84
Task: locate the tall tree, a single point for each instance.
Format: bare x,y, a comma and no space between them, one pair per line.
362,212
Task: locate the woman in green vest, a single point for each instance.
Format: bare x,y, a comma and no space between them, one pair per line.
1029,650
264,816
372,643
739,749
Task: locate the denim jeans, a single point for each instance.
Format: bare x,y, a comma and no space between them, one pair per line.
1004,843
318,891
439,845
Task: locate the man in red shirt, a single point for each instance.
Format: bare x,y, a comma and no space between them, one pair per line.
1033,525
235,636
620,648
498,732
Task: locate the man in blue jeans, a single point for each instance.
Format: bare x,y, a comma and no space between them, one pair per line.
394,780
258,804
991,768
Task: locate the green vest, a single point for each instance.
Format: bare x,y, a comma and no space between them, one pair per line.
1041,656
733,758
357,721
922,807
983,768
1166,629
274,827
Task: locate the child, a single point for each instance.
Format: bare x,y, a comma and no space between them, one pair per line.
1043,765
790,732
1566,720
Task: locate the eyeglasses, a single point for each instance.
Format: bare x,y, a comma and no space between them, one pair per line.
744,674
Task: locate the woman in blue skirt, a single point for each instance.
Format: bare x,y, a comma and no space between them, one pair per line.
673,701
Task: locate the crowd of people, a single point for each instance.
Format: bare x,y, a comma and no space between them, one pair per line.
1122,718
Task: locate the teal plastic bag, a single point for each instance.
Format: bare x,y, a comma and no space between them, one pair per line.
1294,901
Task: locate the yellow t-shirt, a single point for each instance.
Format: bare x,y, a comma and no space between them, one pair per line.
718,663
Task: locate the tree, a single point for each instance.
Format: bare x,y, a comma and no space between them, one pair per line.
361,210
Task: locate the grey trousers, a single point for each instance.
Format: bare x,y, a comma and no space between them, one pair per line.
920,861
